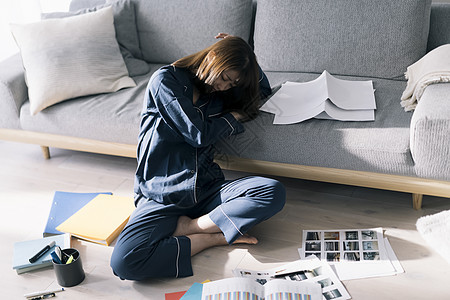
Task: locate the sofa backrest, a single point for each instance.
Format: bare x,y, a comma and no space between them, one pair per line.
439,25
171,29
360,37
82,4
353,37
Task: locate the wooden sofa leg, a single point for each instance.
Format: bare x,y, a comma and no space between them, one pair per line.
46,152
417,201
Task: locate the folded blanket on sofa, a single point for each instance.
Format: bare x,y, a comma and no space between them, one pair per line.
434,67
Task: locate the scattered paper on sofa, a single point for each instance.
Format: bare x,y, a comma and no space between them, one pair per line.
71,57
434,67
435,230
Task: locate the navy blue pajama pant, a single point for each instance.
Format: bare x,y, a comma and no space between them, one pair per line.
146,247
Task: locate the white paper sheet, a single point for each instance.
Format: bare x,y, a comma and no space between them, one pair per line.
342,100
350,95
327,110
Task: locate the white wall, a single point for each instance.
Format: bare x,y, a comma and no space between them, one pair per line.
22,11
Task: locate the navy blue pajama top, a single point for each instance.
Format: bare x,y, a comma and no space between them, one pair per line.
175,150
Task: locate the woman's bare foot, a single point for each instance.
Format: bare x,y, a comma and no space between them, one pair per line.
187,226
204,233
202,241
246,239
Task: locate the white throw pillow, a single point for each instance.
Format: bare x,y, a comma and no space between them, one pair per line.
71,57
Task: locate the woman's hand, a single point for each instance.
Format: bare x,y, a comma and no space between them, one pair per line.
222,35
237,116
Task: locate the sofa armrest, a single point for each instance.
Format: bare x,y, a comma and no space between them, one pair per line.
430,133
13,91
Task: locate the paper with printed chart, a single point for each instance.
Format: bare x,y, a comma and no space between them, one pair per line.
246,288
325,97
310,269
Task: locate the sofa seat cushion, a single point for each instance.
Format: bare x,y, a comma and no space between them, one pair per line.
379,146
112,117
363,38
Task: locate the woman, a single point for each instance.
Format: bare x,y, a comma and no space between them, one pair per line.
183,202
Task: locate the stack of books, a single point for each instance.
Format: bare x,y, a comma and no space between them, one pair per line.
25,250
95,217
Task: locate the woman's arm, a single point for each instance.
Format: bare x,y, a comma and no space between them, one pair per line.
178,111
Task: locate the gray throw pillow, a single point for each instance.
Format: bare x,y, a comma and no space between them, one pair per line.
126,32
70,57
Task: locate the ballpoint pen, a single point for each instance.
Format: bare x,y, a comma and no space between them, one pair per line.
45,296
43,293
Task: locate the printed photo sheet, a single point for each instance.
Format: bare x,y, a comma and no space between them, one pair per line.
353,253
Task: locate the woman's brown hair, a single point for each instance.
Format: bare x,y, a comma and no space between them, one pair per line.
231,53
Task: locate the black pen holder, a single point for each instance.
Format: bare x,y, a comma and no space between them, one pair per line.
70,274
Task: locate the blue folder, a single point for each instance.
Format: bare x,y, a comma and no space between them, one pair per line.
194,292
64,205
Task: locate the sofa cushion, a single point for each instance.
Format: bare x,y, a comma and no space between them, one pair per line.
169,29
378,146
13,91
126,32
112,117
360,37
71,57
83,4
430,134
439,24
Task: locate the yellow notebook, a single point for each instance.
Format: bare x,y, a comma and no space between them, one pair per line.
101,220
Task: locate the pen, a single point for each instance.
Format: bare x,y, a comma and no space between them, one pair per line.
45,296
55,258
42,252
69,260
58,252
41,293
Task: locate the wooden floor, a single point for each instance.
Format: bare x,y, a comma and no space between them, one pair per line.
27,184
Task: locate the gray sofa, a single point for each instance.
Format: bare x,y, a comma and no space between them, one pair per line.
294,40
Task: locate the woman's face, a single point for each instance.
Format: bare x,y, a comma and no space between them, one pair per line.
226,80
